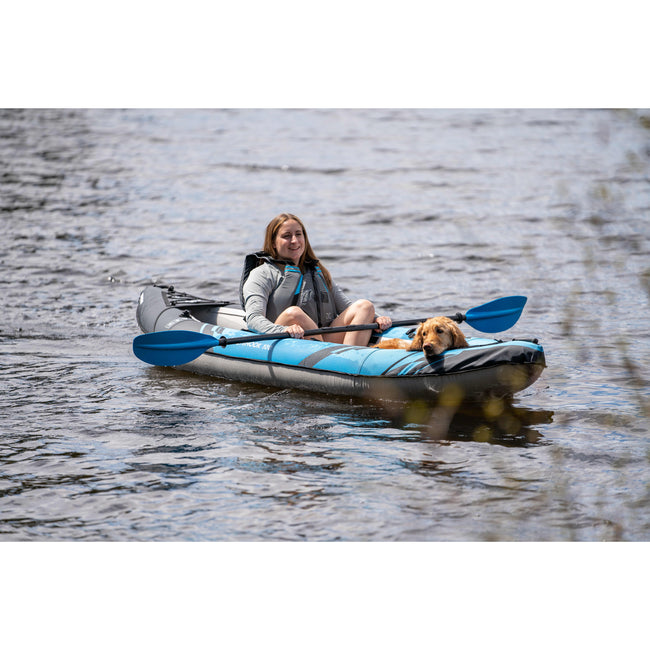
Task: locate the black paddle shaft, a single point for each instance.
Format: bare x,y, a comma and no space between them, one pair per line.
223,341
176,347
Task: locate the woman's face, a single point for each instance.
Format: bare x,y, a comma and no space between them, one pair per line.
290,241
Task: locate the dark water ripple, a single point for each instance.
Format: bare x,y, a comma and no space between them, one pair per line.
423,211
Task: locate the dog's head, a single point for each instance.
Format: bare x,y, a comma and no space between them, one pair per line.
438,334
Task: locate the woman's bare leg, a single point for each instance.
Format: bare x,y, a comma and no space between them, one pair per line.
359,312
296,316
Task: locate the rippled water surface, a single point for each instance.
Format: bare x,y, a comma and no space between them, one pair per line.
422,211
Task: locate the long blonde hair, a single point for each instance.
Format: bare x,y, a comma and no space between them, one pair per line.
307,255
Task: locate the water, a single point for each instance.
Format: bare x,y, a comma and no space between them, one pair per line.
425,212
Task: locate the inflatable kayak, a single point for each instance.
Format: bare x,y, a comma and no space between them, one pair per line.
203,336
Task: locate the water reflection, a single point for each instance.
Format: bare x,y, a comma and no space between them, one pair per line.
322,419
495,421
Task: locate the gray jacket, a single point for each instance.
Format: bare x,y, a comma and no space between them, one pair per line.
263,303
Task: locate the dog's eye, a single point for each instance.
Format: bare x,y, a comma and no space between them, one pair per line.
440,330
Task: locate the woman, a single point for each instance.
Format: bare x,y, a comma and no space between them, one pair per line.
285,288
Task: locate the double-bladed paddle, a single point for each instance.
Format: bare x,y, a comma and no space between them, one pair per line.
176,347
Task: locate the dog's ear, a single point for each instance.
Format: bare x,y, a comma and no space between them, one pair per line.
458,337
418,339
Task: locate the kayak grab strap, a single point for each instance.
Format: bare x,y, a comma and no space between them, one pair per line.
182,300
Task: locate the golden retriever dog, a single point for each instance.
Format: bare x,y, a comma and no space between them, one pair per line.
434,336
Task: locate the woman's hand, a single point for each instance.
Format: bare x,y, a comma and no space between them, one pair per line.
295,330
384,322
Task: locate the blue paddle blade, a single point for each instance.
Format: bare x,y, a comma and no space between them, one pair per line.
496,316
173,347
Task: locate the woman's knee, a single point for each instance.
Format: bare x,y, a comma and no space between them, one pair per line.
293,316
363,306
294,313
